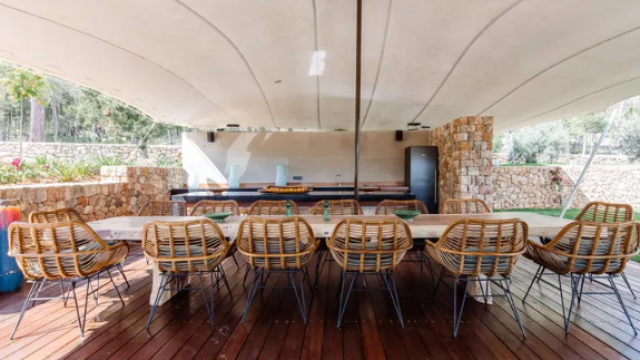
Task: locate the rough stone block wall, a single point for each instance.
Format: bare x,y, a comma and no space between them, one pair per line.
530,186
465,158
69,151
120,192
523,187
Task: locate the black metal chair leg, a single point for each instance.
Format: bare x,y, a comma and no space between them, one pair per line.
536,275
24,308
437,284
322,260
115,287
457,317
246,272
235,261
165,279
624,308
256,282
343,301
224,278
624,277
574,294
121,270
206,300
299,297
509,296
393,293
541,272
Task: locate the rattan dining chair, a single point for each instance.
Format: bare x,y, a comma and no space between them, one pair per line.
277,246
69,252
270,207
67,215
185,248
209,206
480,251
163,208
464,206
55,216
338,207
388,207
363,247
586,249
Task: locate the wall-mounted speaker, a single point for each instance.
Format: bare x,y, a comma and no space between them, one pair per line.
399,135
211,136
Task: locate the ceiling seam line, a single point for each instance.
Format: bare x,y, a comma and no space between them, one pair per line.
464,52
379,68
120,48
315,45
577,99
615,37
235,47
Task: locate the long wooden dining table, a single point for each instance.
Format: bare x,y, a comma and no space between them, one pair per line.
431,226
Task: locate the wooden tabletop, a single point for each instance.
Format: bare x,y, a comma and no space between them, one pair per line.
423,226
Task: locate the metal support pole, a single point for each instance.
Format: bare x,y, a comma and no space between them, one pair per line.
614,114
358,95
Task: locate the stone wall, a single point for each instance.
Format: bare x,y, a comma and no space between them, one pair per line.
530,187
576,159
121,191
69,151
465,158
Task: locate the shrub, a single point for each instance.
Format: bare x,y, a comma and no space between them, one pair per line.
542,143
100,160
64,171
168,162
42,160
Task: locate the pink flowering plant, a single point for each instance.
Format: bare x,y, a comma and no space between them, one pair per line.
556,184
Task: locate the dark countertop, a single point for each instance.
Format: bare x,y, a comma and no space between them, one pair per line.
314,196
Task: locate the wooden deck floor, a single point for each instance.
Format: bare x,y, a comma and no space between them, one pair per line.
274,329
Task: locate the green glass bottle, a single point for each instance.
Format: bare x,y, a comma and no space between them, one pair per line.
326,210
288,207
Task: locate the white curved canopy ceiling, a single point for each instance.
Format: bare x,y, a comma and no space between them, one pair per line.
208,63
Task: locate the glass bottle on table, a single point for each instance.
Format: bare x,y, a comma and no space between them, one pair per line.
287,206
10,275
326,210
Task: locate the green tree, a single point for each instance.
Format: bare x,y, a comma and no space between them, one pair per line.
542,143
22,84
586,126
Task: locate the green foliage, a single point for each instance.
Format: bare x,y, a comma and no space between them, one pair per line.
629,139
100,160
83,115
42,160
23,84
86,169
64,171
542,143
498,142
164,161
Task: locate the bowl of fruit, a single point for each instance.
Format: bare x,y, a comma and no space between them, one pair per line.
285,190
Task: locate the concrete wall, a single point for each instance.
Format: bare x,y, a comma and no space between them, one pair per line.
316,156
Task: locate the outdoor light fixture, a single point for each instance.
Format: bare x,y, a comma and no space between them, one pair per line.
317,63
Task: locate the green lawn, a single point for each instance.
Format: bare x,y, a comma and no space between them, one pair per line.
570,214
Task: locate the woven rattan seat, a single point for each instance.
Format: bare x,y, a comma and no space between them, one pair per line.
338,207
464,206
481,251
386,207
269,207
211,206
163,208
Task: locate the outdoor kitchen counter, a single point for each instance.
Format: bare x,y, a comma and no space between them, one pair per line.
246,197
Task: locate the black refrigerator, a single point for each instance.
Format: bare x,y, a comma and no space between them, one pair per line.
421,174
